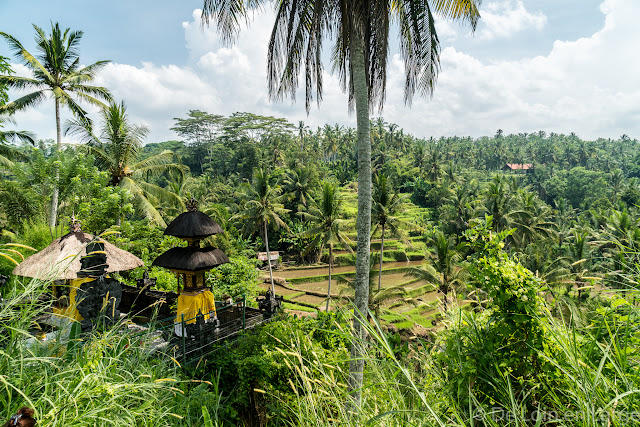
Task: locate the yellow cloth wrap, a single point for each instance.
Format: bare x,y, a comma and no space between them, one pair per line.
70,311
190,302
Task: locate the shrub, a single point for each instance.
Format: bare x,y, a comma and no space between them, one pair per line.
144,239
258,378
487,354
236,278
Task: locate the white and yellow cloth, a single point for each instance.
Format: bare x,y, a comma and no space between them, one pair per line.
70,311
189,303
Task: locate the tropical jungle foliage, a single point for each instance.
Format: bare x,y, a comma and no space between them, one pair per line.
505,291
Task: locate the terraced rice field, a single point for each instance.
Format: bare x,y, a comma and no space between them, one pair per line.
324,270
308,288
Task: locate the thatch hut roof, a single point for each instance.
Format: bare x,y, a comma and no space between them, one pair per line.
61,259
193,224
191,258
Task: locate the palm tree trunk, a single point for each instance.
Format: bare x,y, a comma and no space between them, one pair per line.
329,288
363,222
56,174
381,258
266,243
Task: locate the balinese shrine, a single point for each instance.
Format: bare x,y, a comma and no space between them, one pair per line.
85,294
78,264
190,263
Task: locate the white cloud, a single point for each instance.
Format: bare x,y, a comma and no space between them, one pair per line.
588,86
502,19
446,30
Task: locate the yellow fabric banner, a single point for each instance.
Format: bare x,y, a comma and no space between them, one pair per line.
189,303
70,311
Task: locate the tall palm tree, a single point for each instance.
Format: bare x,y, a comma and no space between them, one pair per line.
330,143
56,70
386,206
579,260
377,298
532,219
361,31
463,206
440,268
302,131
498,200
433,160
262,210
298,183
117,149
327,226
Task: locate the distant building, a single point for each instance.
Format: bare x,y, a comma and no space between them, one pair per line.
516,167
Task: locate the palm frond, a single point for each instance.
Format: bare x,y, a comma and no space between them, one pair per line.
20,83
18,135
66,99
155,164
466,10
163,195
228,15
5,163
25,57
89,73
82,94
24,102
82,129
141,202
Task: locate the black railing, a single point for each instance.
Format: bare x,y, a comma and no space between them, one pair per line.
192,337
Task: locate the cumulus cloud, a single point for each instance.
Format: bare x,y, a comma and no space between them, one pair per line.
588,86
503,19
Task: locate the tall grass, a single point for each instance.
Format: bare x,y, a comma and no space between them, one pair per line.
109,378
597,384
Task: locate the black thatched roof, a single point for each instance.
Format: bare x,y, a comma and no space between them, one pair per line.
193,224
191,258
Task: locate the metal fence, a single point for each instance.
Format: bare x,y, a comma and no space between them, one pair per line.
192,337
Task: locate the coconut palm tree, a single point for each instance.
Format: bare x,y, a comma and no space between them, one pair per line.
385,209
463,206
56,70
117,149
433,159
361,32
440,267
298,183
498,201
327,226
262,210
302,132
578,258
377,299
533,221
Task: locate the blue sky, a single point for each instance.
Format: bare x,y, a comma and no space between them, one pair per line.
559,66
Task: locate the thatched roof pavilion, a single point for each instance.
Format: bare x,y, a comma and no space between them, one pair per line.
61,259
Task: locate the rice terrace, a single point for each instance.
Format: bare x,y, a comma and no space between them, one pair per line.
320,213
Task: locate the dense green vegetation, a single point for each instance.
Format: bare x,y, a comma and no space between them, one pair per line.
535,268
